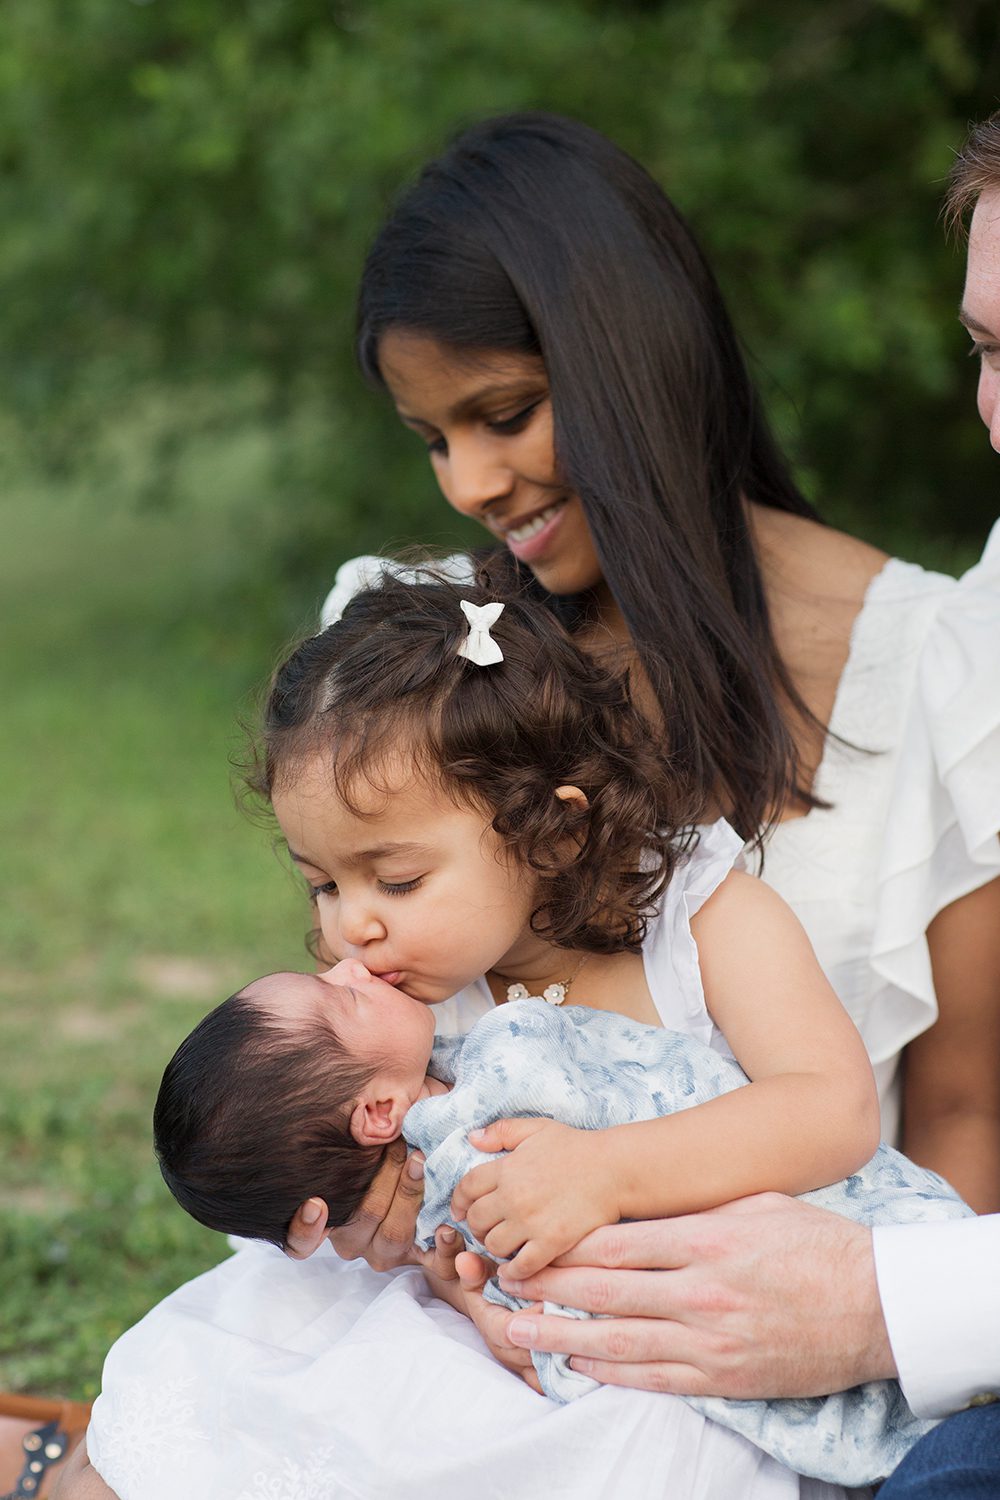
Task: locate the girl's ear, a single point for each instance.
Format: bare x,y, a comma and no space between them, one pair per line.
377,1118
573,794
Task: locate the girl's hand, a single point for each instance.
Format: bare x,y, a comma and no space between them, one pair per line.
540,1200
382,1230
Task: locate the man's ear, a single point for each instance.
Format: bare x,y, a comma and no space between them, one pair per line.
573,794
377,1118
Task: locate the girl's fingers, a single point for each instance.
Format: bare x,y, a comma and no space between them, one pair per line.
476,1182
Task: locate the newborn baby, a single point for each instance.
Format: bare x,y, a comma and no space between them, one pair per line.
293,1088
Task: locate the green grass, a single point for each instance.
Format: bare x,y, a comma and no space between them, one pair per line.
133,897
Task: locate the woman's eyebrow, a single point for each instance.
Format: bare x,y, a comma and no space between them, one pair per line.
472,402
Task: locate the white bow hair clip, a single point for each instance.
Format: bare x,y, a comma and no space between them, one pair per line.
479,646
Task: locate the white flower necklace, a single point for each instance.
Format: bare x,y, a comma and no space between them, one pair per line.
554,993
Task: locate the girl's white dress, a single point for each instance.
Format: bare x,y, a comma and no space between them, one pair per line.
267,1379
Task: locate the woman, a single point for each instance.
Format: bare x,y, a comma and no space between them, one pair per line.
544,320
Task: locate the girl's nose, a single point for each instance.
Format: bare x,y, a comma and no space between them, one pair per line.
472,479
356,926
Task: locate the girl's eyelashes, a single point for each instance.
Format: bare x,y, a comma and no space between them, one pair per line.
401,887
394,888
984,351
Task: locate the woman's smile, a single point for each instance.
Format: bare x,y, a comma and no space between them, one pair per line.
486,419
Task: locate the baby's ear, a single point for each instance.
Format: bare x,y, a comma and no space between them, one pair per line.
375,1121
574,795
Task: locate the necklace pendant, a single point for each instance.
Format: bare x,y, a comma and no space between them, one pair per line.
518,992
555,994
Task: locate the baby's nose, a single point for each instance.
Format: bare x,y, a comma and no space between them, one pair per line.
347,971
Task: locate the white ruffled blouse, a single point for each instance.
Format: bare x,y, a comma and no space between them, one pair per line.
911,773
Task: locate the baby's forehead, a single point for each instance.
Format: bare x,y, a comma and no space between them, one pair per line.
289,996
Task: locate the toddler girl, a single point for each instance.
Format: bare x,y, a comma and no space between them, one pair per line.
474,802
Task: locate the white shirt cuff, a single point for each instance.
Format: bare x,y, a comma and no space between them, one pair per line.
940,1290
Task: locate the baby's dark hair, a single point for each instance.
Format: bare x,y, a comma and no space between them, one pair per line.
500,738
252,1119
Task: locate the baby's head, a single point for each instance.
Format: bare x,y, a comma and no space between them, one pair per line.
291,1089
542,742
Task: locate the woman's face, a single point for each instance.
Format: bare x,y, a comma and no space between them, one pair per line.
486,420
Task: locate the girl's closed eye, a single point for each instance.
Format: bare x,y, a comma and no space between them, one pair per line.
400,887
328,888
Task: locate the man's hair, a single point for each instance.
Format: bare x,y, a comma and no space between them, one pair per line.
387,679
251,1120
976,170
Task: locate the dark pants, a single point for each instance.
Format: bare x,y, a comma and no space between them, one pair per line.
960,1460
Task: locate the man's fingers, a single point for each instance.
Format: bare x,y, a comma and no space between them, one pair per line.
621,1340
659,1244
474,1271
669,1379
641,1294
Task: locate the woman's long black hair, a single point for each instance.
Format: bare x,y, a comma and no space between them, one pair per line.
534,234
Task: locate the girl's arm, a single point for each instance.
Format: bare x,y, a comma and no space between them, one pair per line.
808,1117
951,1078
810,1114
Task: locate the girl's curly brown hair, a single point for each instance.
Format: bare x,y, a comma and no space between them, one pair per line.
499,738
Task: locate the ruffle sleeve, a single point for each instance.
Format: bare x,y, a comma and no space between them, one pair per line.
673,972
941,838
960,686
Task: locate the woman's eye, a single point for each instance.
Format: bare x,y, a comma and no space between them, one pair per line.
984,351
437,446
507,426
399,888
328,888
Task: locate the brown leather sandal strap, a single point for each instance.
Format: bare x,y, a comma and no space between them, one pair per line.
42,1448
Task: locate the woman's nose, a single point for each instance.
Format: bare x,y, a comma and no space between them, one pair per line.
472,479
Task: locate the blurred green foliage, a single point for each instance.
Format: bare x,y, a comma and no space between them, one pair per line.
186,191
188,188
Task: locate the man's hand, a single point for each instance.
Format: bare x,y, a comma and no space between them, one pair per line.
539,1200
762,1298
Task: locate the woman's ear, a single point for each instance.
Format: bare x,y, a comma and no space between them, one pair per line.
377,1118
573,794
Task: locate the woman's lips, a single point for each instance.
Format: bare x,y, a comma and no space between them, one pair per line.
530,538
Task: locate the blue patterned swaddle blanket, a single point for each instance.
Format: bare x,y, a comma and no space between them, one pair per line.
591,1069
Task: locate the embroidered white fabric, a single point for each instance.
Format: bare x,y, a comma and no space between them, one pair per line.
279,1359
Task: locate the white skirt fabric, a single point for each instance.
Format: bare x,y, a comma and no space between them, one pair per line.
267,1379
